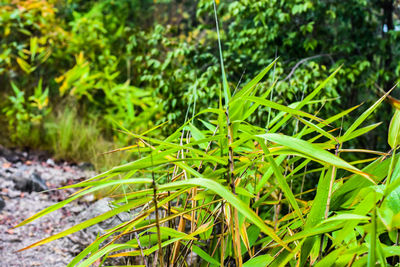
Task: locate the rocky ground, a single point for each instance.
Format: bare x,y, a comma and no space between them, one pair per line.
23,178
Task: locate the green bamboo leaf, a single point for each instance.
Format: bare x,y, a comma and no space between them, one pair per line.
313,151
358,132
147,161
264,179
230,198
80,194
253,107
239,109
249,87
332,119
317,230
391,251
98,254
318,129
92,248
131,205
347,217
227,93
331,258
283,258
282,182
168,232
208,125
361,209
178,147
262,260
280,107
305,101
391,202
144,163
147,252
318,207
198,135
392,187
373,239
204,255
377,169
365,115
243,192
394,130
307,248
380,253
309,97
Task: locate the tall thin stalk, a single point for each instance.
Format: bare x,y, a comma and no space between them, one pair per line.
231,169
160,252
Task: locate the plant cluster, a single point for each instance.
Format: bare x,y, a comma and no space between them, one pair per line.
25,115
235,193
146,62
253,175
68,50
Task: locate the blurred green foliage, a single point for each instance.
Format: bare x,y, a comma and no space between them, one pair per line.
142,62
25,115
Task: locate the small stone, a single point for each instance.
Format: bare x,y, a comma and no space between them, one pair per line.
77,208
50,162
21,181
86,166
13,193
88,198
2,203
100,207
30,183
37,183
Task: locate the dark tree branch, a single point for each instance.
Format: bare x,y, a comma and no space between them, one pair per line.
305,60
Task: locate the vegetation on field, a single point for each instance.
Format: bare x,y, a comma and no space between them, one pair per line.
235,126
237,193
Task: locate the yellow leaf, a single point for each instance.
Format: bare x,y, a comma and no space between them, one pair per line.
394,130
63,88
24,65
59,79
7,31
395,102
245,239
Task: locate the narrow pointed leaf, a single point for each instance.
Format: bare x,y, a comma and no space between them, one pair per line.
313,151
282,183
230,198
365,115
394,130
90,222
280,107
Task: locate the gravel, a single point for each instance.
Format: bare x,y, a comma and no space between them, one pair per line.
20,178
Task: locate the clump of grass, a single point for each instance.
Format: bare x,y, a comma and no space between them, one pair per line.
73,139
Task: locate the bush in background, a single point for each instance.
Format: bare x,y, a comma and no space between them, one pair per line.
135,61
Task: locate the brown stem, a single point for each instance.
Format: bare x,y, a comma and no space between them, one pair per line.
222,234
157,222
231,178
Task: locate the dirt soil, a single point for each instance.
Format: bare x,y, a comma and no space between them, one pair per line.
21,175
